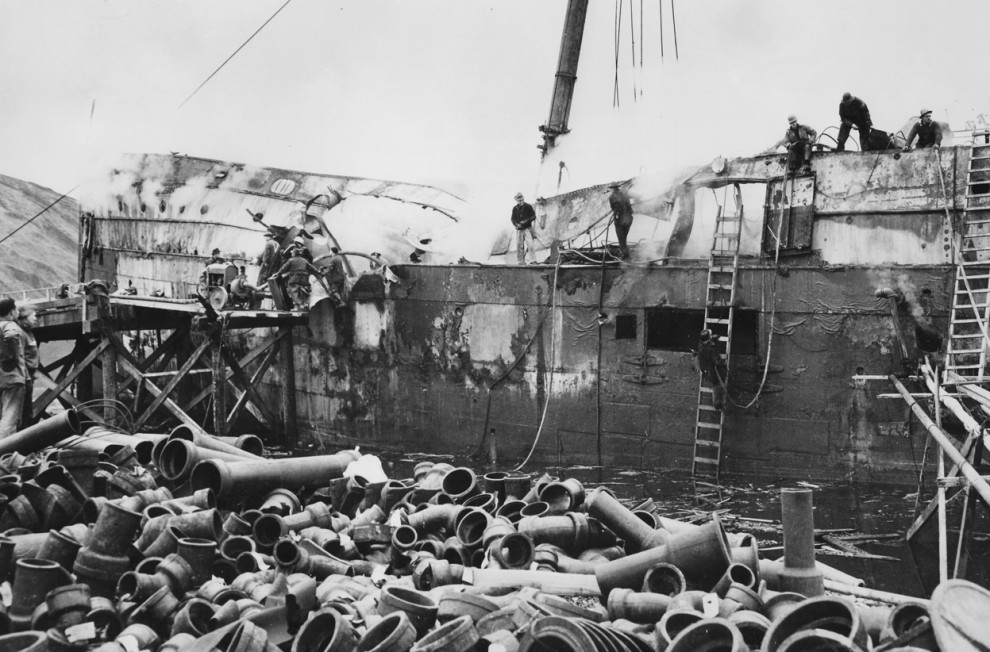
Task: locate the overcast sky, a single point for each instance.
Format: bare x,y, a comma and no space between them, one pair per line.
424,90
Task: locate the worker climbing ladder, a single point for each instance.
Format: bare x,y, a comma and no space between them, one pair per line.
966,352
719,308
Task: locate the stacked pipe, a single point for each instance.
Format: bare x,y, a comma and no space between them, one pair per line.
184,543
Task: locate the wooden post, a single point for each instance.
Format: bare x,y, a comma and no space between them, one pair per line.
288,386
219,390
943,544
84,382
183,349
109,359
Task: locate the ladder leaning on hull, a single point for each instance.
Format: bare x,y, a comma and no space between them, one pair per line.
719,308
966,352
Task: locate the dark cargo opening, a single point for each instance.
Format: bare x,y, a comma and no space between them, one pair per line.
677,329
625,327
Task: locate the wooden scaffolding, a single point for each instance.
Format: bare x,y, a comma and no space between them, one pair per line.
194,369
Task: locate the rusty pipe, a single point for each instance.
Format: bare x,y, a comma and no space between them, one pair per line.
179,457
799,573
203,440
701,554
621,520
250,478
42,434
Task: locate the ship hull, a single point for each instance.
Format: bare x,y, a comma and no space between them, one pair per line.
456,356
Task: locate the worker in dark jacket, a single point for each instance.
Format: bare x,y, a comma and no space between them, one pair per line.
853,111
13,369
623,216
523,217
27,319
269,257
296,272
708,364
927,131
798,139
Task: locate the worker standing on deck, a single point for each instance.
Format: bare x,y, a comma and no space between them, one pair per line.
928,132
853,111
296,273
708,364
13,369
215,257
622,215
268,260
27,319
798,139
523,217
336,277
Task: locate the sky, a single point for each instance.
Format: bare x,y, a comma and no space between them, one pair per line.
451,92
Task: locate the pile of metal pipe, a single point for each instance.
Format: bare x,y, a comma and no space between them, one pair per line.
204,548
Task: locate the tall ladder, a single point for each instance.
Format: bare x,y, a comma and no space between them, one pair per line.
723,266
966,353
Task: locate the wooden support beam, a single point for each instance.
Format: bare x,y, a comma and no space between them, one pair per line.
65,398
290,430
158,359
255,377
241,379
110,389
130,368
957,482
63,362
183,349
170,385
968,516
929,509
84,365
219,391
246,360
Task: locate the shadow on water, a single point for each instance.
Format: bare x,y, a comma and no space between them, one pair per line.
849,514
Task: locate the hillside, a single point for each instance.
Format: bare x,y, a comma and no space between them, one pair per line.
43,253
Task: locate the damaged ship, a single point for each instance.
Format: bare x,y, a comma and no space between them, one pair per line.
828,278
814,284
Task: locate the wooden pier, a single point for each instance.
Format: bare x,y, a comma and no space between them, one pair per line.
168,381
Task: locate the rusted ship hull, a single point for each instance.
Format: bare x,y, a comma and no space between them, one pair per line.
422,378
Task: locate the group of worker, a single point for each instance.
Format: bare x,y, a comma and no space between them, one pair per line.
295,265
18,365
524,217
853,112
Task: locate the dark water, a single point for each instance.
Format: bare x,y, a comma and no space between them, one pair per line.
882,511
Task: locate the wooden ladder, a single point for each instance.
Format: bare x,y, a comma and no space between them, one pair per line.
966,352
719,308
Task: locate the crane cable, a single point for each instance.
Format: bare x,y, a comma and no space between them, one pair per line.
227,60
38,214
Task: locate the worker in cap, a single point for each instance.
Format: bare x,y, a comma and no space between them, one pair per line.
853,111
927,131
622,217
300,244
215,256
708,363
523,217
798,140
268,261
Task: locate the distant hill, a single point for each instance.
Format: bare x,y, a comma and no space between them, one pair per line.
44,252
